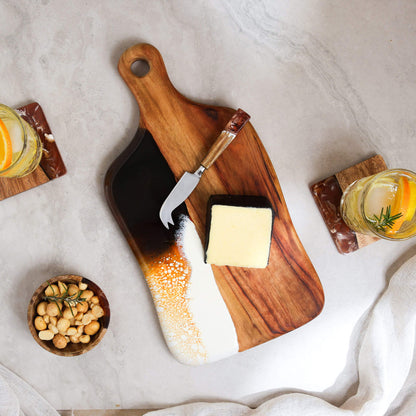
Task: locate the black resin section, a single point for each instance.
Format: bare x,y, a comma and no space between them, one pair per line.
239,201
136,185
248,201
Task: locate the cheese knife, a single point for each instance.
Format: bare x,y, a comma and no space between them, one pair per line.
188,182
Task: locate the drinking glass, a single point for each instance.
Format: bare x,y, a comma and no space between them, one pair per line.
20,146
382,205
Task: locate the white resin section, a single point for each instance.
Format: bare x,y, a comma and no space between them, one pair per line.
206,304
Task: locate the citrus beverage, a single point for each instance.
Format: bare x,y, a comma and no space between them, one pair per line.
20,146
383,205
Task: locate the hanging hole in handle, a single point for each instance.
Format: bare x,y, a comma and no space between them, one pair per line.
140,68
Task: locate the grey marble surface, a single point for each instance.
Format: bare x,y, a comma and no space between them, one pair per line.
327,84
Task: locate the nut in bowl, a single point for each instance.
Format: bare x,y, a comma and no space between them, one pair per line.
68,315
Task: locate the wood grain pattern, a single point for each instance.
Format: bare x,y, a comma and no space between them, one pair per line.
263,303
220,144
51,165
14,186
368,167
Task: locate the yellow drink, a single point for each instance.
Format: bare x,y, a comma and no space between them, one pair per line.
20,146
383,205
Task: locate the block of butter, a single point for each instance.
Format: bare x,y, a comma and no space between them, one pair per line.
239,231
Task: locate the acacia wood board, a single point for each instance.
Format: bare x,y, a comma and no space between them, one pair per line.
263,303
51,165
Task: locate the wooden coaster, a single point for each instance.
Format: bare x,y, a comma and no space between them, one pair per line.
327,194
51,165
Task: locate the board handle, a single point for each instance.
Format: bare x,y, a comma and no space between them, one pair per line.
156,81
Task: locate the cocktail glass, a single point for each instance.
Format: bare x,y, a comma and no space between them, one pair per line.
20,146
382,205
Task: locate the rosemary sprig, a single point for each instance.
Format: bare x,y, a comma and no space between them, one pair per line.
71,300
385,219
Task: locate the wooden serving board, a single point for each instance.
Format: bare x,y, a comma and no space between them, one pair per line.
174,136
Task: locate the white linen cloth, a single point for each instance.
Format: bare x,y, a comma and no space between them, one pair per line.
385,355
17,398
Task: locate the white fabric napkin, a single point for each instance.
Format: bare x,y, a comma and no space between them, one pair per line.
17,398
386,351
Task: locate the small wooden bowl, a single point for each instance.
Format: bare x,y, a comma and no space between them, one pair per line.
71,349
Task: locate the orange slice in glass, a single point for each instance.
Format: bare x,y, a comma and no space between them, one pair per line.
411,210
5,147
404,203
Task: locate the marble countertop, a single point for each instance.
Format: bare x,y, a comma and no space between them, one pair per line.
326,84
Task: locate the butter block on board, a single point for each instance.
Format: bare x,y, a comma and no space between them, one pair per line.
239,230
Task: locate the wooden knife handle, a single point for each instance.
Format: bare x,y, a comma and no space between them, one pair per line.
233,127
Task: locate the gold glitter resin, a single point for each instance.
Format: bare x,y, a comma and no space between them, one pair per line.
168,278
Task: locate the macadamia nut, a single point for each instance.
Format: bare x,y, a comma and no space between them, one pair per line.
67,313
63,324
41,309
53,328
74,339
72,289
59,341
46,335
62,287
95,300
87,294
97,311
52,309
52,290
92,328
40,324
82,307
71,331
87,318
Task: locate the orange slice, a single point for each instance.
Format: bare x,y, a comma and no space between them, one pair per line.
404,203
5,147
411,210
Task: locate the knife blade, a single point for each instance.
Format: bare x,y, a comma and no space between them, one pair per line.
188,182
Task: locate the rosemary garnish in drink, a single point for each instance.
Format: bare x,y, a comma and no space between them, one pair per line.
385,219
66,298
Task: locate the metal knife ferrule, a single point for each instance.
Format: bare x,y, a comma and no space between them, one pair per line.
200,171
